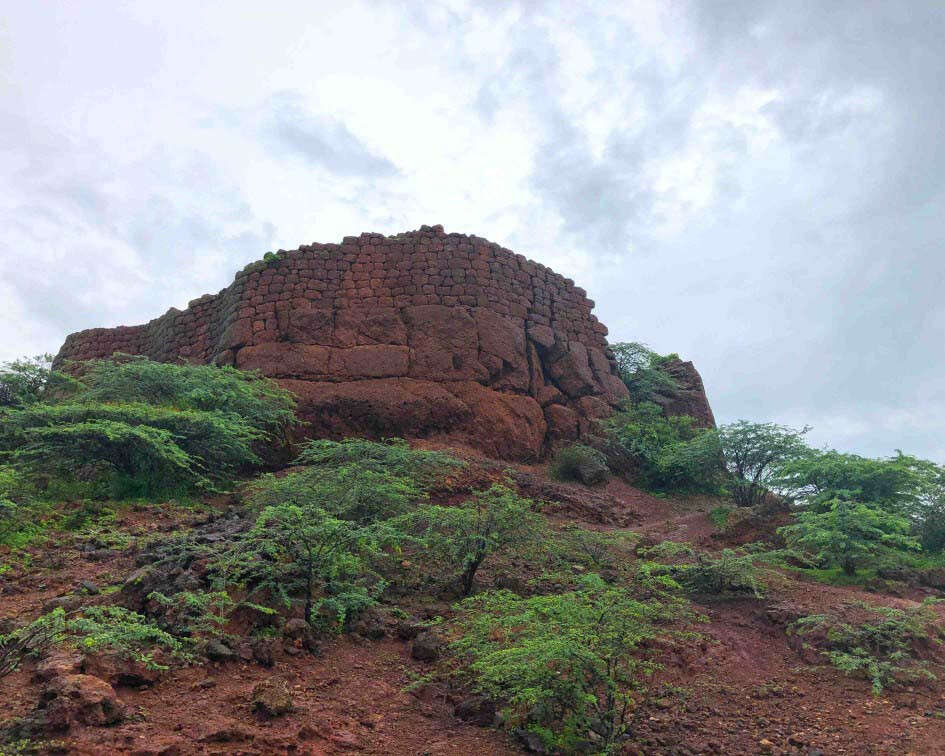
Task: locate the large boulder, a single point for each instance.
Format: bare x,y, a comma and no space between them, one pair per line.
690,398
79,699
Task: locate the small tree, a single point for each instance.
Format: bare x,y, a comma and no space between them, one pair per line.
30,379
566,666
304,551
754,453
847,533
349,492
457,540
897,484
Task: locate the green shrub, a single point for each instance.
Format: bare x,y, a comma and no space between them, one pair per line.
194,614
303,549
391,457
640,368
671,453
594,550
127,633
455,541
320,529
349,492
849,533
721,517
564,666
31,379
92,629
580,463
739,571
258,401
729,571
18,523
882,650
138,427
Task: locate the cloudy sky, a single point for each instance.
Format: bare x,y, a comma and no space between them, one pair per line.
759,186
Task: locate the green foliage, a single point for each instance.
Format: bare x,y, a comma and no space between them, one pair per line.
92,629
30,380
729,571
18,523
137,427
902,486
737,571
565,666
930,519
349,492
594,550
848,533
207,443
882,650
320,529
640,369
140,458
671,452
898,484
195,614
127,633
303,547
580,463
258,401
392,457
455,541
721,517
836,576
31,639
755,453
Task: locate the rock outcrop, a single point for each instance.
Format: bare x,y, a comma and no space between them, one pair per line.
420,334
690,398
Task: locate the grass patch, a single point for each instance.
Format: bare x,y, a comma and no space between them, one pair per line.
836,576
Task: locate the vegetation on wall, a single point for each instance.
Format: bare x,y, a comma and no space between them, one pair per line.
641,370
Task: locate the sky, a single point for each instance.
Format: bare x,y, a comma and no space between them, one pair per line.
758,186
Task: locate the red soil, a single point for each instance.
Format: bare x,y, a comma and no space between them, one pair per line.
742,689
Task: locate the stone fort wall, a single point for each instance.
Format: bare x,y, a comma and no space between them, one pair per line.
420,316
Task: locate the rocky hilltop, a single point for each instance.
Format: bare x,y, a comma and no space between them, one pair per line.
422,334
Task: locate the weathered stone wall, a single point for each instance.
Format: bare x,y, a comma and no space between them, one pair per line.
423,333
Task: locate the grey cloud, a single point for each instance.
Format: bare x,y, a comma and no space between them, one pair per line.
320,140
833,279
78,256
